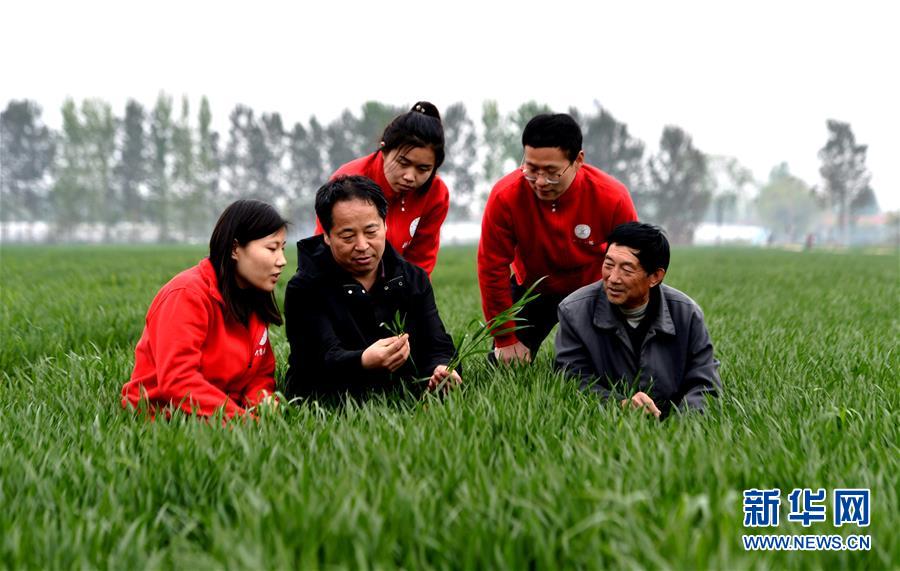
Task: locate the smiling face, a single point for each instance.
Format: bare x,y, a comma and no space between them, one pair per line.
357,237
259,263
407,169
627,283
552,169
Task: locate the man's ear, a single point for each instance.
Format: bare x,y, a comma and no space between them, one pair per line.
579,160
327,238
656,277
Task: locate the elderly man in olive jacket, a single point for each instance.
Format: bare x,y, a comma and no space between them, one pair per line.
630,337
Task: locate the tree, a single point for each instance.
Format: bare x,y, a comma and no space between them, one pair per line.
461,152
26,155
161,136
494,141
100,146
307,172
70,190
371,124
342,141
131,172
235,159
184,185
253,160
844,172
679,184
864,203
208,167
242,183
730,181
272,153
786,205
609,147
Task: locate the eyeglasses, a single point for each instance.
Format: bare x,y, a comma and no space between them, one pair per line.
532,175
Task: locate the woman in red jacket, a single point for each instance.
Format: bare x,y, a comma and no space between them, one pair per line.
405,167
205,344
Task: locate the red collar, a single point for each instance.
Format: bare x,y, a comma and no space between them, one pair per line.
208,273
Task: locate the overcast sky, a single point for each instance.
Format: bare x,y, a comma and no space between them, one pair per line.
754,80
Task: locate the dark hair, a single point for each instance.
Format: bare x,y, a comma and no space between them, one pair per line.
554,130
242,222
347,188
650,242
419,127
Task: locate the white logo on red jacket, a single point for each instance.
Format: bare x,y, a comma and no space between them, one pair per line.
413,226
262,344
583,231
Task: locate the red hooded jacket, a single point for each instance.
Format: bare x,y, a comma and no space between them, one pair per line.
194,356
414,219
564,240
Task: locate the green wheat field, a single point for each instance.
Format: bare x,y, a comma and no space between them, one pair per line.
517,470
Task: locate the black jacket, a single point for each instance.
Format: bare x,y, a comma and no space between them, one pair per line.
331,319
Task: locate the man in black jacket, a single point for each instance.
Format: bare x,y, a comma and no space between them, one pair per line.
349,283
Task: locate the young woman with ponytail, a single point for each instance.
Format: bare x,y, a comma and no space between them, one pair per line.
405,167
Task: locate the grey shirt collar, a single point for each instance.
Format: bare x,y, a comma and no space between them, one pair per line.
604,317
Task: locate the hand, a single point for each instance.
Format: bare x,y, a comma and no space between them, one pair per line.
442,375
262,399
642,400
510,353
269,401
389,353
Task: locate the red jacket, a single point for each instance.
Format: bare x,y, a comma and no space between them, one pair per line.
193,356
414,219
564,240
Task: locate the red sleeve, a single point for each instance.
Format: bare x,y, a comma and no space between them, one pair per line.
319,229
176,333
496,250
263,384
423,250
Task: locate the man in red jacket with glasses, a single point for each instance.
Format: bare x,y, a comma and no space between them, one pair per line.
548,218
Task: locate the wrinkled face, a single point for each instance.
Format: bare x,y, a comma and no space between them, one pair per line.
356,237
258,263
627,284
553,171
408,168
